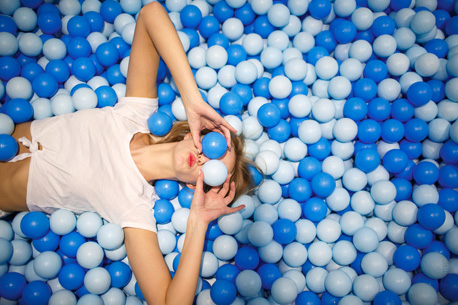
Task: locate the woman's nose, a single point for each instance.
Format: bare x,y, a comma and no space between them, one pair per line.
201,159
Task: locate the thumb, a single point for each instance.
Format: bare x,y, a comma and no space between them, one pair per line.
196,140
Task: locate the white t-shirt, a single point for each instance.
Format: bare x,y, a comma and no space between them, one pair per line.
85,164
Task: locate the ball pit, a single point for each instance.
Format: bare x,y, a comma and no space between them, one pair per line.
348,107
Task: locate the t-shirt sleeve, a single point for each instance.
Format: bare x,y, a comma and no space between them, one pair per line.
137,109
141,217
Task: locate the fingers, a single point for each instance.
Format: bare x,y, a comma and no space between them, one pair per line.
200,182
228,199
225,187
196,139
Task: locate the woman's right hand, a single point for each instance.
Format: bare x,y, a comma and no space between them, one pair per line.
213,204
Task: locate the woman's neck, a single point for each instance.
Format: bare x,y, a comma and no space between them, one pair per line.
153,161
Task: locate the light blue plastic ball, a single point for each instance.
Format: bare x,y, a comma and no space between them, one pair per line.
338,283
89,255
110,236
260,233
47,265
284,290
215,172
97,280
62,222
88,223
365,240
248,283
295,254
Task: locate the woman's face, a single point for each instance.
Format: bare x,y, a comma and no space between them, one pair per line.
188,161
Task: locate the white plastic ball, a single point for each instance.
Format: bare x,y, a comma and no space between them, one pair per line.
343,252
350,300
110,236
323,110
397,280
89,255
206,78
328,230
405,38
231,223
84,98
180,219
209,264
365,239
271,253
315,278
326,67
47,264
196,57
253,44
246,72
226,76
69,7
216,57
97,280
427,64
306,231
280,87
284,290
278,15
295,150
422,294
285,172
248,283
62,221
19,87
384,45
451,89
62,297
299,106
271,57
374,264
8,44
339,87
296,69
309,131
269,192
422,22
365,287
338,200
30,44
338,283
360,50
345,130
362,18
351,68
88,223
319,253
295,254
225,247
278,39
434,265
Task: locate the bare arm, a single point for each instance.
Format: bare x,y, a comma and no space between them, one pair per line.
155,37
146,259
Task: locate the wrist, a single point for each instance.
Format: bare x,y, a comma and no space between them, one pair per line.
196,223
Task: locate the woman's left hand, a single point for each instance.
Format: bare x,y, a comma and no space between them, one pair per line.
203,116
213,204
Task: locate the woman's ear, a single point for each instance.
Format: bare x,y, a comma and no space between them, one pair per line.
191,186
187,136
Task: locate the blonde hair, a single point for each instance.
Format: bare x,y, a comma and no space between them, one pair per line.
241,175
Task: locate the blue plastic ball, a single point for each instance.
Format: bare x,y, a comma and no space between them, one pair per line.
106,96
419,94
44,85
245,14
314,209
230,103
300,189
163,211
243,91
379,109
448,287
395,161
49,242
308,298
227,272
387,297
69,243
120,273
214,145
35,224
448,199
448,176
166,189
95,21
107,54
235,54
355,108
12,285
268,273
418,237
71,276
261,87
406,258
165,93
383,25
326,40
78,26
49,22
208,26
402,110
412,149
185,197
269,115
280,132
190,16
392,131
369,131
262,26
222,11
320,150
83,68
316,53
247,258
403,189
31,70
323,185
344,32
416,130
375,70
58,69
367,160
426,173
320,9
79,47
8,147
284,231
365,89
159,124
7,24
431,216
110,9
223,292
10,68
